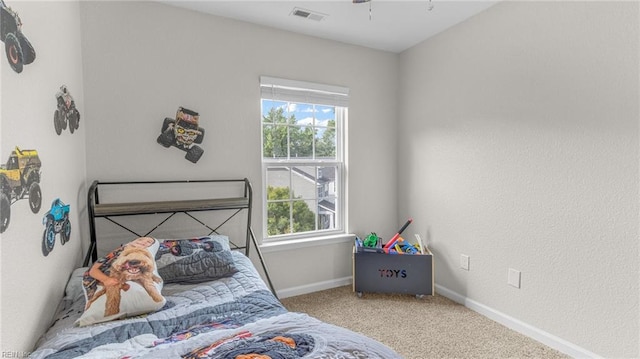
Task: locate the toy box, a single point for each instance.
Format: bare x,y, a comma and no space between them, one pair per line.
393,273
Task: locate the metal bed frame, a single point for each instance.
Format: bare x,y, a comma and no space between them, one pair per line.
108,211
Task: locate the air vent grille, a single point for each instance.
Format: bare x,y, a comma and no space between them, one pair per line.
307,14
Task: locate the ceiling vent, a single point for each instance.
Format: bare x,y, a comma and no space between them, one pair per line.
307,14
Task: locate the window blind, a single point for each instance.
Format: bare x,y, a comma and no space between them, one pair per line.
273,88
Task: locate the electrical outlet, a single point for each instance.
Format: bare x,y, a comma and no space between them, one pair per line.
464,261
513,278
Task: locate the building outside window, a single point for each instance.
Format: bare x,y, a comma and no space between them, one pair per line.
302,158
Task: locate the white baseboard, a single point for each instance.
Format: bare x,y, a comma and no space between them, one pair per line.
314,287
519,326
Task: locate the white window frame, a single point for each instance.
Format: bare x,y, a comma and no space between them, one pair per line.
309,93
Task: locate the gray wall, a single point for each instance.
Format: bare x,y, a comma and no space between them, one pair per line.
516,134
32,284
142,60
520,149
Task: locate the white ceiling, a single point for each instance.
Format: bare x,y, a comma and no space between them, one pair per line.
395,25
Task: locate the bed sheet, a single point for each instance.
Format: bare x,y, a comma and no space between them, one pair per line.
225,318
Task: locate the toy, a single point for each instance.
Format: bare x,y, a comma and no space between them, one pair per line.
371,240
19,178
66,112
183,133
420,246
55,221
394,239
407,247
398,249
18,49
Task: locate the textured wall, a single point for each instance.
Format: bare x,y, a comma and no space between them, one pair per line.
520,149
32,284
159,57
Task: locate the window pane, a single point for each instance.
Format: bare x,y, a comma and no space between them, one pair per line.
303,217
325,143
303,179
327,197
302,113
274,141
278,218
278,201
278,183
327,181
272,109
324,114
326,132
301,142
327,213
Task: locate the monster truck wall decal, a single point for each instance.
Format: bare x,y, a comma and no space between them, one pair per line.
19,50
19,179
183,132
55,221
66,112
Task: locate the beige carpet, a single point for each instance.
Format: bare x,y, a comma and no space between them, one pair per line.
430,327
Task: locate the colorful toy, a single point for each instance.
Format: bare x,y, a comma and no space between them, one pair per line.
394,239
398,249
371,240
408,248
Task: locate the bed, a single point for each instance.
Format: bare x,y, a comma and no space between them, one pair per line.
225,310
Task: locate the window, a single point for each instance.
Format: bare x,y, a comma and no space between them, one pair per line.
302,158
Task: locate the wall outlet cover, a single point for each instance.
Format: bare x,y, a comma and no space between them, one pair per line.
514,278
464,261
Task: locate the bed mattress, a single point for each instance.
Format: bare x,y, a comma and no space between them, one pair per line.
226,318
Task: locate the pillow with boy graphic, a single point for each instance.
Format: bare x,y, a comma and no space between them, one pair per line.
124,283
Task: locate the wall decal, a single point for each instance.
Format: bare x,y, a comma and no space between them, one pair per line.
66,111
19,179
183,133
56,220
19,50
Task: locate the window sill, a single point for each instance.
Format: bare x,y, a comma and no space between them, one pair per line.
286,245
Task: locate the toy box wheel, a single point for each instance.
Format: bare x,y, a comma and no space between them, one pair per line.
359,294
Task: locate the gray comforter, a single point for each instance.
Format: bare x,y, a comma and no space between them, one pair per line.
226,318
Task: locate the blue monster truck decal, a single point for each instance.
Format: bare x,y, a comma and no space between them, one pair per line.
55,221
